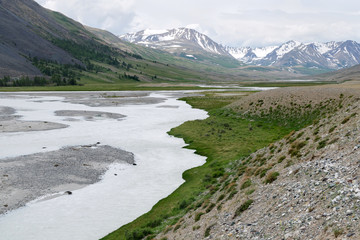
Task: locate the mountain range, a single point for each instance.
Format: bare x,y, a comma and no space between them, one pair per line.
189,43
35,41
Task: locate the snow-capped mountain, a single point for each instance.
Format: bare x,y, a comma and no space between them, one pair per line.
248,54
189,43
330,55
176,40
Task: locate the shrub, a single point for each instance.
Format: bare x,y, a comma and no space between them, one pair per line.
281,159
332,129
212,205
243,207
246,184
177,227
221,197
232,194
250,192
154,223
289,163
263,172
198,216
271,177
183,204
207,231
322,144
338,232
138,234
196,227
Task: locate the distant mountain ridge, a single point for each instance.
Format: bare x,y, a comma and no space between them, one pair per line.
330,55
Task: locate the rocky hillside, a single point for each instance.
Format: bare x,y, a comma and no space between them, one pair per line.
21,39
305,186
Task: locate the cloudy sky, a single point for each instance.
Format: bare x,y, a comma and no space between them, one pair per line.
232,22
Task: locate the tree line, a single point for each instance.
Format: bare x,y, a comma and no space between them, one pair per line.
26,81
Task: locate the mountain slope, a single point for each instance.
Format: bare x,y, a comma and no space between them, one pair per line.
184,42
19,40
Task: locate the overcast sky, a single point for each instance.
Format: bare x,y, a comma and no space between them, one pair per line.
232,22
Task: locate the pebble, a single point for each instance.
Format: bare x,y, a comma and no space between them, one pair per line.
349,212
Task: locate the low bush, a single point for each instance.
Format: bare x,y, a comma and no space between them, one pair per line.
271,177
246,184
243,207
198,216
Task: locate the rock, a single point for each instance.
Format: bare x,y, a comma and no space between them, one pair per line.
349,212
134,164
68,192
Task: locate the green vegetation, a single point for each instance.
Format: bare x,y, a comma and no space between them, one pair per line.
282,158
222,138
348,118
250,192
271,177
207,230
292,114
55,80
338,232
198,216
246,184
322,144
243,207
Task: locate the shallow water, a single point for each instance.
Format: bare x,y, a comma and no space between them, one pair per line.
98,209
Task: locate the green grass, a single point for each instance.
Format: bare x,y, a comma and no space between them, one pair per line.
222,138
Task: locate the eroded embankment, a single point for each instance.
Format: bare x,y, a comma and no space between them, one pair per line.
305,186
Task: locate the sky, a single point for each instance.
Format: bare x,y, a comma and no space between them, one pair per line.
236,23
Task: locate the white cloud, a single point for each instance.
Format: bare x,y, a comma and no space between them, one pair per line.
234,22
105,14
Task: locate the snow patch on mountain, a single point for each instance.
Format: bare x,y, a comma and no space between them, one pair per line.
286,48
261,52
